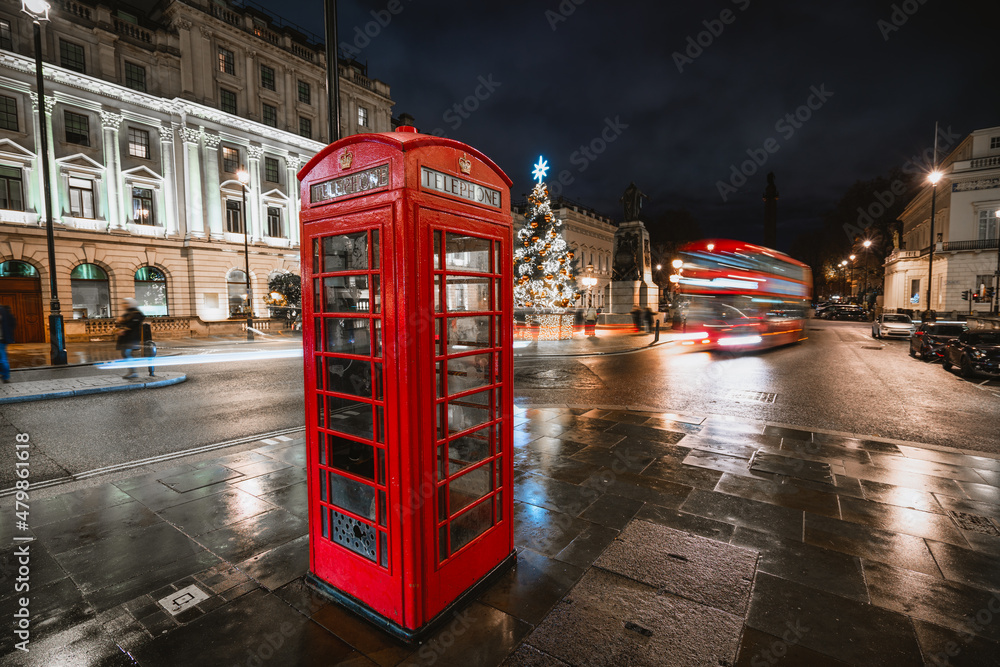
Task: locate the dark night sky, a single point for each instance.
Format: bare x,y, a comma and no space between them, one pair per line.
685,129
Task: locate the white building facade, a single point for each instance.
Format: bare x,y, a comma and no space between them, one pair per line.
966,230
149,118
590,236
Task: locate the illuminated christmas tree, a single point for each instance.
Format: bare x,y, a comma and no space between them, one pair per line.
543,263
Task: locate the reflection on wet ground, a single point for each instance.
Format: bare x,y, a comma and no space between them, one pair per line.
645,539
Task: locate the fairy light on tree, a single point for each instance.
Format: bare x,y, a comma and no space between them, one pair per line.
543,263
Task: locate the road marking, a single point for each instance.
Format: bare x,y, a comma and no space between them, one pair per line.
120,467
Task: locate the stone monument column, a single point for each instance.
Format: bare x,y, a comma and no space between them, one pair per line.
632,283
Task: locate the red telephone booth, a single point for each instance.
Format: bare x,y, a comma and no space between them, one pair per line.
407,336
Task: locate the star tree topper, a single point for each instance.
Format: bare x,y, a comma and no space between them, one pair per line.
540,169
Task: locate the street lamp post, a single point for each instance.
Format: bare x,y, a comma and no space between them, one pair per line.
868,262
244,178
38,10
843,277
852,275
934,177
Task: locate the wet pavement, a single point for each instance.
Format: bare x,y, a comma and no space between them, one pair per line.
643,539
65,387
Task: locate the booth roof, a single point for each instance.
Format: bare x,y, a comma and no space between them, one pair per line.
404,139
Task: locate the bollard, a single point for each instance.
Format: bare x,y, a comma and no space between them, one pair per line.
656,338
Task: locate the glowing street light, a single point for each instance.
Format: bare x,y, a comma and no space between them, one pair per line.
868,261
589,280
244,178
933,178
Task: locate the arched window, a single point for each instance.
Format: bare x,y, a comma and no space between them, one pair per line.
91,292
236,284
15,269
151,291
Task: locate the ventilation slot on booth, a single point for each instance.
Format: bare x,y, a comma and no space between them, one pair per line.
353,534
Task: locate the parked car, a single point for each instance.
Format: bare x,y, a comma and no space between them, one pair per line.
845,311
892,324
974,352
929,340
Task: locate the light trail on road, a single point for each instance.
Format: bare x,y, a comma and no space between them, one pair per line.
188,359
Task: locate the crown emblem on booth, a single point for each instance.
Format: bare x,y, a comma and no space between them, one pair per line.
465,165
346,158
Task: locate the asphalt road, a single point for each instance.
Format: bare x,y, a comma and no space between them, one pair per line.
840,379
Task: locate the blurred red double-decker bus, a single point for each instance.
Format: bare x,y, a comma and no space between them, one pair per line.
741,295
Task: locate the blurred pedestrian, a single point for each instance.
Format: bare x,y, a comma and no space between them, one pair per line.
7,326
647,319
636,318
148,346
590,321
129,328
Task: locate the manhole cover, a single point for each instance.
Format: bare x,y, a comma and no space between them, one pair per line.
871,347
974,523
758,396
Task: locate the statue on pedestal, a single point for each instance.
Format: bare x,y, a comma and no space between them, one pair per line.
632,202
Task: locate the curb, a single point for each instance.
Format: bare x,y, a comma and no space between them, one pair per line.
93,390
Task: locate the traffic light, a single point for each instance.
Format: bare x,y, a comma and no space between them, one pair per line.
965,295
975,297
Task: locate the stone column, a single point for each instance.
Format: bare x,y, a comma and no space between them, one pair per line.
50,104
292,164
169,192
252,80
110,123
253,195
186,64
195,214
213,195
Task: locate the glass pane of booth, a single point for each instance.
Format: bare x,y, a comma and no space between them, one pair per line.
350,456
463,452
352,496
348,336
347,252
468,333
345,294
468,411
466,253
467,294
471,525
468,488
465,373
347,416
349,376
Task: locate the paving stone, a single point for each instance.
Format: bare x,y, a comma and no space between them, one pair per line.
689,523
783,491
742,512
84,501
901,496
823,569
870,543
641,488
902,520
279,566
543,530
239,541
530,589
553,494
612,511
529,656
188,481
945,603
587,546
608,619
967,566
943,646
478,635
696,568
215,511
758,649
795,467
848,630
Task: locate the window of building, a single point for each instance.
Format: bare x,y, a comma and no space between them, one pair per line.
8,113
988,224
226,61
143,212
274,223
227,100
305,128
230,159
135,77
236,284
270,115
16,269
267,77
91,293
11,189
305,92
77,128
915,291
138,143
151,291
994,141
271,170
71,56
234,216
6,42
81,198
362,117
